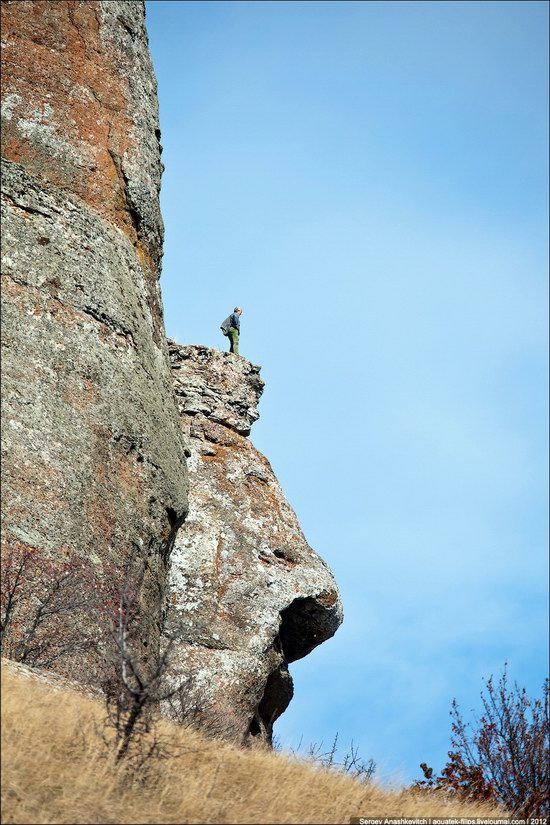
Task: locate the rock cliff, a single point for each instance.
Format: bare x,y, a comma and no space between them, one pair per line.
99,411
92,454
247,593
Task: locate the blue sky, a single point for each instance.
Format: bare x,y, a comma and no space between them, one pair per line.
369,181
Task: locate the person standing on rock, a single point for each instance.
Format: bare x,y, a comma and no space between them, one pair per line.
234,330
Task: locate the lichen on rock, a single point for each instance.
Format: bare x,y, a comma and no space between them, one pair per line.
248,595
93,457
99,410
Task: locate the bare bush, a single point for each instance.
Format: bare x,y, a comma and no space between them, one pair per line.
504,756
135,681
52,611
42,604
351,764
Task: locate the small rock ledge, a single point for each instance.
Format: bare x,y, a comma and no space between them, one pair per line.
220,386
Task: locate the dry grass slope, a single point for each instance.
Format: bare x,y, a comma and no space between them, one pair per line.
54,772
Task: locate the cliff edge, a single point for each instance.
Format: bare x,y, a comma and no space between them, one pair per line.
248,595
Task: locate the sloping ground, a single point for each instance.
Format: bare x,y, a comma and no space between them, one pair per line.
54,770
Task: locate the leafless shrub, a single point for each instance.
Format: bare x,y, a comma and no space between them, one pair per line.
351,764
52,611
135,682
504,756
42,604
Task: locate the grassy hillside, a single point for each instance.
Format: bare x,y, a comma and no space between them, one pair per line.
55,770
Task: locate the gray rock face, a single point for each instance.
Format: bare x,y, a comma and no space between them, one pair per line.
93,448
93,457
248,595
79,110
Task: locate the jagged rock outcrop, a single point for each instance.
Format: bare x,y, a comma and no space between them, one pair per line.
92,453
248,595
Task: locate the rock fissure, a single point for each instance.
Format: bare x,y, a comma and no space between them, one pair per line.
102,318
83,41
31,210
133,34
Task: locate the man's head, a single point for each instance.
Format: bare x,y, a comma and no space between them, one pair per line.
238,311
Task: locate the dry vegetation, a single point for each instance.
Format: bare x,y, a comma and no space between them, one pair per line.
56,770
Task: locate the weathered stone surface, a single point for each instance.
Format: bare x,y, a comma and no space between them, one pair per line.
93,456
79,109
248,594
92,444
208,384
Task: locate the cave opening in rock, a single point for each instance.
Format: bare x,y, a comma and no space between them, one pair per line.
305,623
276,697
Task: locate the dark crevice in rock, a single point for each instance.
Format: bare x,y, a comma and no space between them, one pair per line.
220,420
133,34
124,182
255,728
175,520
31,210
146,371
258,476
19,281
134,213
281,554
130,443
278,692
278,556
97,315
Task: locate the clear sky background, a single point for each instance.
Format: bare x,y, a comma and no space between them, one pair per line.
369,181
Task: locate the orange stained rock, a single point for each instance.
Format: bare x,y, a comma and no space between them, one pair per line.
67,106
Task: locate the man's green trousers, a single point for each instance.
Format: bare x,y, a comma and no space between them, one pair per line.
233,336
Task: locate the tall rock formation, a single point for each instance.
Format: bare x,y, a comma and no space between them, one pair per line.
248,595
92,454
93,448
